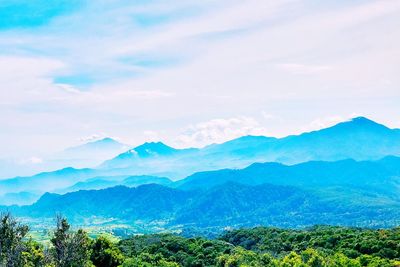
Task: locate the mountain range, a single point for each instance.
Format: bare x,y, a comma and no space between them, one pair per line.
87,155
227,205
345,192
359,139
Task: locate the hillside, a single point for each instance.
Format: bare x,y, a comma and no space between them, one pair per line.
358,139
229,204
380,176
353,150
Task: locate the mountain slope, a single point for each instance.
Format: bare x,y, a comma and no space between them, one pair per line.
378,176
105,182
144,202
229,204
359,139
143,156
45,181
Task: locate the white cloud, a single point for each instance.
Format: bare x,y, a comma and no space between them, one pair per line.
32,160
151,136
93,137
219,130
227,58
303,69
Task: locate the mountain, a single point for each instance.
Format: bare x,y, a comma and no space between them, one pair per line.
89,154
20,198
46,181
111,181
147,154
233,204
382,176
359,139
143,202
230,204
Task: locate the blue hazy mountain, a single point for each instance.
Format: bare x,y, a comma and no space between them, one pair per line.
45,181
381,175
229,204
111,181
359,193
86,155
359,139
150,152
89,154
20,198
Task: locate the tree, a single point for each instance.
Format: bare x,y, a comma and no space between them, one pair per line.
34,255
312,258
149,260
293,260
105,253
70,249
242,257
11,240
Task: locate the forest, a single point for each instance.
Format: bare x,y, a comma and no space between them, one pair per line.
261,246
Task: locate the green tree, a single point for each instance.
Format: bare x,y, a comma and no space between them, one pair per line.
313,258
149,260
71,249
292,260
33,256
11,241
105,253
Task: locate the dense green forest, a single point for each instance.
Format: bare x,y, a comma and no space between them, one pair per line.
317,246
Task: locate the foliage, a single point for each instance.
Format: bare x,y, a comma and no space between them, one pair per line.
11,236
322,246
352,242
71,249
184,251
105,253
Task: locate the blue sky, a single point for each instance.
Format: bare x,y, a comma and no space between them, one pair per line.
34,13
191,72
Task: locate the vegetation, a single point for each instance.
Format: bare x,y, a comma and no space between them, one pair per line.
321,246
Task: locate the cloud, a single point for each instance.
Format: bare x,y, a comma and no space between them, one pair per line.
124,67
219,130
32,160
303,69
93,137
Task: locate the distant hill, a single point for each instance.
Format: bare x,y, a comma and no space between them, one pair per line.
143,202
97,146
46,180
147,156
228,204
380,176
359,139
20,198
129,181
89,154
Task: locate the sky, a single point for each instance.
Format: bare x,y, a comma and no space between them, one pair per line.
191,73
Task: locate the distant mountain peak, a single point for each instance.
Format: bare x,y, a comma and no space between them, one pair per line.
153,144
153,148
105,140
362,120
356,124
105,143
